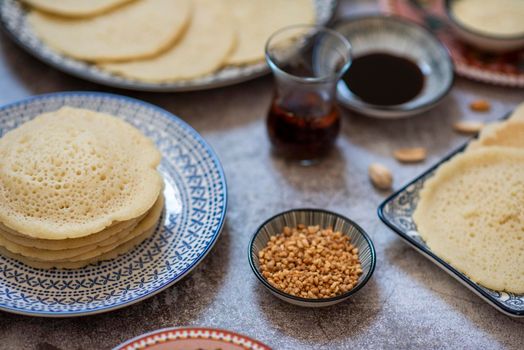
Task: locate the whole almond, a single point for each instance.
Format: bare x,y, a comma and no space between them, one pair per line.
480,106
410,155
380,176
468,127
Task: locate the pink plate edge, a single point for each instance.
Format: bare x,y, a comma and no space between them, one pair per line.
145,340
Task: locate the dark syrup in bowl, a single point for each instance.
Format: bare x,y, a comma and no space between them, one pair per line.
384,79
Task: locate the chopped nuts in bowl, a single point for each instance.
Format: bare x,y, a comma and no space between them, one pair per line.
311,257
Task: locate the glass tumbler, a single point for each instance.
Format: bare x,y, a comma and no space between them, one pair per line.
307,61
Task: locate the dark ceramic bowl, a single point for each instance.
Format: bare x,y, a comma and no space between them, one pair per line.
311,217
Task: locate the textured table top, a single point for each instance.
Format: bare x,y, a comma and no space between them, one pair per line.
409,302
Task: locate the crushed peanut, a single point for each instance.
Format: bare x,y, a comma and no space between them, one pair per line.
310,262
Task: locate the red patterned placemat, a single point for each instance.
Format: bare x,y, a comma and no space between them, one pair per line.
501,69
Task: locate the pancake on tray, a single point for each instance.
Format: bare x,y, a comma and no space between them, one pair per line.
509,133
77,187
471,212
518,113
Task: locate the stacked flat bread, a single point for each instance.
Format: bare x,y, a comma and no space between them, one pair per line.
76,187
164,40
471,212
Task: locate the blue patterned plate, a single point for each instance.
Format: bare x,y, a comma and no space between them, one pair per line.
13,19
397,212
196,199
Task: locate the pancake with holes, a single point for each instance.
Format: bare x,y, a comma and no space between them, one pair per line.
518,113
471,214
210,31
255,21
137,29
76,185
508,133
75,8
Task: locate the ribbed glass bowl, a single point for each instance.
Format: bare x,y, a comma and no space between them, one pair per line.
312,217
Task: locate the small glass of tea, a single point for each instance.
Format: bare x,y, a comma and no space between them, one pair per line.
307,61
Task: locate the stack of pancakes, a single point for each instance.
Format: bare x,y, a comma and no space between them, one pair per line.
76,187
164,40
471,212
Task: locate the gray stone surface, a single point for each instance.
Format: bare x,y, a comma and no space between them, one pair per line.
409,302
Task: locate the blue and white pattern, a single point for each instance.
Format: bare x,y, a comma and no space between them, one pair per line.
196,199
13,18
397,213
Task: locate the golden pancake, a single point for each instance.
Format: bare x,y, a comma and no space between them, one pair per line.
501,18
471,214
138,29
69,243
74,172
518,113
92,250
255,21
204,47
124,248
505,134
75,8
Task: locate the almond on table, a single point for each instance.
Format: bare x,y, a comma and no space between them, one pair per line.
468,127
410,155
380,176
480,106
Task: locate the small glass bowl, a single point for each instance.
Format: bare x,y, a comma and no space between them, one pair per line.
312,217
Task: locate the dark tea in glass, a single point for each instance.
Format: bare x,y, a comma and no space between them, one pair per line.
303,121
